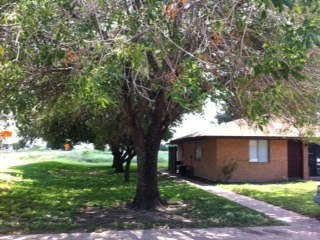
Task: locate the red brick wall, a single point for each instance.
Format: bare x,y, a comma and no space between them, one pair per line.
186,152
203,167
238,150
306,173
216,153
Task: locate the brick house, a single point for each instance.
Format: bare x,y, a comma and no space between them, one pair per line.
236,151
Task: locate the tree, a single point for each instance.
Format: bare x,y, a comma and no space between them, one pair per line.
109,129
228,111
63,121
76,122
159,59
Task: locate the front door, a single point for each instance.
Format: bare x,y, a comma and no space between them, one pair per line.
314,159
295,159
172,159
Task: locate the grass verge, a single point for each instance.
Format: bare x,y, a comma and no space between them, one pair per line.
53,196
294,196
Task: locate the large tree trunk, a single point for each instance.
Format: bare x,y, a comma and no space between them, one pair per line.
147,121
147,193
119,165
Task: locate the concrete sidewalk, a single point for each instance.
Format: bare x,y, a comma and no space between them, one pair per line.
260,233
298,226
286,216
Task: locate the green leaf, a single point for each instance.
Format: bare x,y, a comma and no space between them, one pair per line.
299,10
290,4
309,42
2,50
257,70
264,14
304,44
315,39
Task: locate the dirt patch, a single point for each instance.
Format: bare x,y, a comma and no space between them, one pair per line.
172,216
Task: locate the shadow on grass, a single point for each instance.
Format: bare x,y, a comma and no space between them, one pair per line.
49,194
77,180
60,197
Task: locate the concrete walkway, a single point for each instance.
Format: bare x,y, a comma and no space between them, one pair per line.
288,217
256,233
298,226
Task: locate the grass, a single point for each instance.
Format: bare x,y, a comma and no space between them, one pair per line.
163,159
85,157
294,196
78,193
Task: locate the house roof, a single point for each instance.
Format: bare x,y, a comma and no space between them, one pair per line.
241,128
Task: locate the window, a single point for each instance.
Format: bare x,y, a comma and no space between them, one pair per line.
181,150
259,151
198,151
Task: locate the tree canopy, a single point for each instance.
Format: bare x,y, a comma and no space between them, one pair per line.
159,59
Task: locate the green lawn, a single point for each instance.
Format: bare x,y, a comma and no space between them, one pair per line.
100,157
163,159
86,157
295,196
62,192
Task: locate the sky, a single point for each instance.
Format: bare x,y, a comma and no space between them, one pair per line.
197,122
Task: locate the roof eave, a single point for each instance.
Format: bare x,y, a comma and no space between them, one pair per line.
189,139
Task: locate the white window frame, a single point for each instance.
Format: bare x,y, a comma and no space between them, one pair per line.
258,151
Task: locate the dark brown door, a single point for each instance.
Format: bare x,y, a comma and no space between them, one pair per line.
295,160
314,156
172,159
